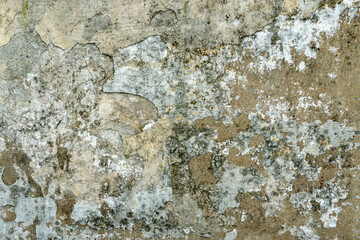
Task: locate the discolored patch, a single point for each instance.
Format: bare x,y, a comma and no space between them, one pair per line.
32,229
8,213
13,157
225,132
200,169
257,141
236,158
9,175
207,120
63,158
65,206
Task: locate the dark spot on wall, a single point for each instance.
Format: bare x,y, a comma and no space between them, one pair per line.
32,229
63,158
13,156
8,213
200,169
65,206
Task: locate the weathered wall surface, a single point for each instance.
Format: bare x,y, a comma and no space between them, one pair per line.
150,119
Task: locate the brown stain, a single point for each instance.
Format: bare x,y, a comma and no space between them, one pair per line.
347,226
62,155
257,141
48,180
302,184
325,159
8,213
240,160
327,174
178,177
225,132
65,205
106,211
246,160
31,229
63,158
9,175
257,226
13,156
200,169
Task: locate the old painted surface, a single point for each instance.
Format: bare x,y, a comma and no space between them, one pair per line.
180,119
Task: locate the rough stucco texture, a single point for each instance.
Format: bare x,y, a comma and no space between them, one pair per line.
164,119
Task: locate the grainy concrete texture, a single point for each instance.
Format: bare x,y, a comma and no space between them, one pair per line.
164,119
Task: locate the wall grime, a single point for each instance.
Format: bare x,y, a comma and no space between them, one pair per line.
179,119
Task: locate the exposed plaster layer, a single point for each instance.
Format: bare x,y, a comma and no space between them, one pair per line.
203,24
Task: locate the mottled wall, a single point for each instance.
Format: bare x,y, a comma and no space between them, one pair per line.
162,119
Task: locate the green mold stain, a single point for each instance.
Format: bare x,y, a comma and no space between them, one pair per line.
25,8
185,7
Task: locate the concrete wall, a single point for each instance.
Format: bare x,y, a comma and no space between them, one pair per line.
162,119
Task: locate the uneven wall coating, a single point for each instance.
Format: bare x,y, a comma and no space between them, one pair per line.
158,119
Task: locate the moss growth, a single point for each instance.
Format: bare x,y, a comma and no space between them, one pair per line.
185,7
